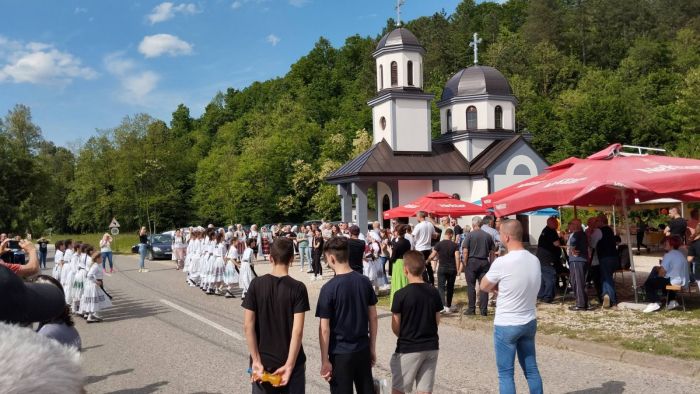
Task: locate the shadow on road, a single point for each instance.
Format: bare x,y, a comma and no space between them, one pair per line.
95,379
151,388
611,387
125,307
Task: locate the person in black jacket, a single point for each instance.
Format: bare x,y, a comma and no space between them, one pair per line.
609,262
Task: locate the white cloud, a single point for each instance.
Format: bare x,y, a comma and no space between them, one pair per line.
237,4
273,39
167,10
80,10
160,44
240,3
298,3
136,84
39,63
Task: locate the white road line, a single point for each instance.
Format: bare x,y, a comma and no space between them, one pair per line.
203,320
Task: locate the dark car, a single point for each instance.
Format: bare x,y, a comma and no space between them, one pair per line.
159,247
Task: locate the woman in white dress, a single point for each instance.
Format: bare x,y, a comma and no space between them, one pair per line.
193,276
241,238
231,269
208,261
247,272
94,298
58,260
254,234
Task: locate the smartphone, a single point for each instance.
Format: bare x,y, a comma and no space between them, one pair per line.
13,245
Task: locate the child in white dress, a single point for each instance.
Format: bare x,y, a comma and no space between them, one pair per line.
94,298
247,272
58,260
84,262
231,270
70,264
216,277
193,275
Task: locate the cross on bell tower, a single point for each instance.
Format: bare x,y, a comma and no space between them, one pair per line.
475,44
399,3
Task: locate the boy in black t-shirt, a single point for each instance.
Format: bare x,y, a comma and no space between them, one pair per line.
346,307
416,315
275,305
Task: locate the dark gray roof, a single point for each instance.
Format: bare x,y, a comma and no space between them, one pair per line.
493,152
398,37
476,80
381,160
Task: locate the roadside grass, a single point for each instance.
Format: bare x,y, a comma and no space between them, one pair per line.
121,245
669,333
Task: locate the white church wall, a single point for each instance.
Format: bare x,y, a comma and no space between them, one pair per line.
518,164
463,148
508,114
412,190
480,188
537,224
382,110
459,115
477,146
412,125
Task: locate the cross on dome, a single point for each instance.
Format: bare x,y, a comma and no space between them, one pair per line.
475,44
399,3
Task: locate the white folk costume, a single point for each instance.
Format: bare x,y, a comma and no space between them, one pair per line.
193,275
84,261
231,272
57,263
218,267
94,298
67,274
246,275
372,265
207,261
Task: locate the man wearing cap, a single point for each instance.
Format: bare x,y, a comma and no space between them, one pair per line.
23,270
356,249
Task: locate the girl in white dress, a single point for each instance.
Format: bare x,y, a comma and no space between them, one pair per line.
80,275
189,252
68,272
218,267
193,276
94,298
247,272
231,270
58,260
207,261
179,249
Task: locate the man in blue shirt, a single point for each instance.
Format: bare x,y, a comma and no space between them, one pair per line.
578,260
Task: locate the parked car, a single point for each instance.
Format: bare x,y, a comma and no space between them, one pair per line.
159,247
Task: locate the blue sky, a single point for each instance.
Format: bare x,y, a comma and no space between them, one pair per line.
84,65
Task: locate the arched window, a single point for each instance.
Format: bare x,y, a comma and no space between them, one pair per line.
498,112
382,123
381,77
394,74
471,118
409,72
449,121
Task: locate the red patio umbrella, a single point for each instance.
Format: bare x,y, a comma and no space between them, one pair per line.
438,204
605,178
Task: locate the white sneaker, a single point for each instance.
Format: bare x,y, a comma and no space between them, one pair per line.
445,311
672,305
653,307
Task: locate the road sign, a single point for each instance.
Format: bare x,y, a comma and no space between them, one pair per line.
114,231
114,224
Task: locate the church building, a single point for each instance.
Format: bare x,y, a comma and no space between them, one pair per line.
479,150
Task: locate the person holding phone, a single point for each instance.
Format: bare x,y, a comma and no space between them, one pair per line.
22,270
143,247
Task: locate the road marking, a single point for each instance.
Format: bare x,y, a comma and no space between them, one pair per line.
203,320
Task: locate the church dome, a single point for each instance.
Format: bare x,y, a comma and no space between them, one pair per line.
476,80
399,37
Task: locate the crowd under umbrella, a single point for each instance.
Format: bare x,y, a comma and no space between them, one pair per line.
437,204
607,178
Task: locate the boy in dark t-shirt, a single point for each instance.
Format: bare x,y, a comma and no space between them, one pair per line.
348,324
275,305
416,315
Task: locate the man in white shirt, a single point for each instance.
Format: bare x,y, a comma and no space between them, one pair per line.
423,234
516,277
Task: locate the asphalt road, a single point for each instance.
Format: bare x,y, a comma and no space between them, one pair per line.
163,336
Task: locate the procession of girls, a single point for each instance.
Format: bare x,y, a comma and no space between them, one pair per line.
78,268
214,263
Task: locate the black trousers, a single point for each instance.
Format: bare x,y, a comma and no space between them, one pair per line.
475,270
297,384
446,286
428,276
316,263
352,369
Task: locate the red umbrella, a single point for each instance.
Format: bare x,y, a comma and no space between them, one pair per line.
438,204
605,178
